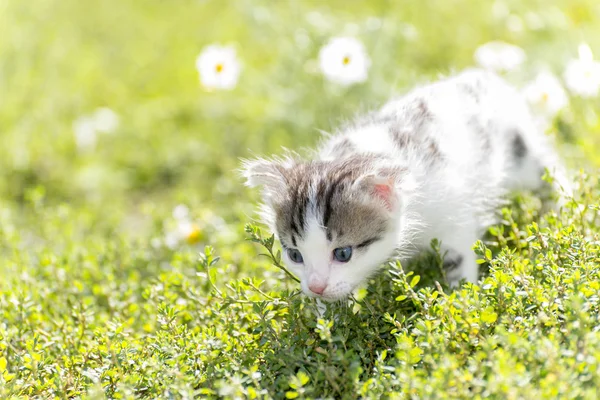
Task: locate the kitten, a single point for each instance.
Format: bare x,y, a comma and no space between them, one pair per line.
435,163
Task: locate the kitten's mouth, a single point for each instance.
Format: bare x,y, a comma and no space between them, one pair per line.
340,291
334,299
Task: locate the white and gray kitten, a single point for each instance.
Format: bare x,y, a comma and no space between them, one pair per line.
435,163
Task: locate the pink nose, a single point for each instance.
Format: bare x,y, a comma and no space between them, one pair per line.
316,287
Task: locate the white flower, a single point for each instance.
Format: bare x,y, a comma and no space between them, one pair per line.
156,243
171,240
582,75
181,212
188,231
87,127
545,94
218,67
514,23
105,120
85,133
344,60
499,56
184,228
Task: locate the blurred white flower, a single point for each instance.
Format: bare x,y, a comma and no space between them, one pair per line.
156,243
514,23
500,10
344,60
409,32
188,231
171,240
534,21
373,23
87,127
85,133
582,75
105,120
181,212
218,67
499,56
545,94
184,229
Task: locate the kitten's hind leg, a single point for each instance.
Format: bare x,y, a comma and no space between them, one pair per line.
532,155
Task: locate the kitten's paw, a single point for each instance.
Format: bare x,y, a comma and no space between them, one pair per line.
459,268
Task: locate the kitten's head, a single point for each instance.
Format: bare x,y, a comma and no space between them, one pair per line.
337,221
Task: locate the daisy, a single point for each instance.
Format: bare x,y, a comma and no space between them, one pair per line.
582,75
499,56
87,127
181,212
188,231
218,67
546,95
344,60
85,133
184,229
105,120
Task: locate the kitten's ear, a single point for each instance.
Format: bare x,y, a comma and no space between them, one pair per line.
381,188
271,175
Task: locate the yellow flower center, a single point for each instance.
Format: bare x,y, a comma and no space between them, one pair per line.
219,68
193,236
545,97
346,60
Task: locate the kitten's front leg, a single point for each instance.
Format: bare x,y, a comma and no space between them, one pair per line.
459,259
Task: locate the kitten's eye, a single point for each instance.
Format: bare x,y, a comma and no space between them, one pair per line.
295,256
343,254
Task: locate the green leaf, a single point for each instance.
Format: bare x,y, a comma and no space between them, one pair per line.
302,377
488,254
415,280
488,315
383,355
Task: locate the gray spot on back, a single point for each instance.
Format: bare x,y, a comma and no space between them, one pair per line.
519,148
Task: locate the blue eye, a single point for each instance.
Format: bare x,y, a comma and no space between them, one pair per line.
295,256
342,254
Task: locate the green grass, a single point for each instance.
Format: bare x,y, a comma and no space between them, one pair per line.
93,305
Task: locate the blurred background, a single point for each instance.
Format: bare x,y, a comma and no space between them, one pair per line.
122,125
117,109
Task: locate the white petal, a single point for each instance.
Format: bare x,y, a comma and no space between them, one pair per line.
105,120
185,228
171,240
499,56
585,53
181,212
85,133
583,77
546,95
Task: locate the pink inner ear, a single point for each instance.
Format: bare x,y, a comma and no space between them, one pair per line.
385,192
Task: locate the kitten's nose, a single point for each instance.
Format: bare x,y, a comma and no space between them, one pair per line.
317,287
